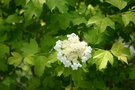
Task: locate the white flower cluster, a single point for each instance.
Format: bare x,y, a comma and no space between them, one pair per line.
72,51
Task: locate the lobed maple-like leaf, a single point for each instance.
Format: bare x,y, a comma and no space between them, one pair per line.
102,57
128,17
15,60
60,4
101,22
119,51
33,8
30,48
121,4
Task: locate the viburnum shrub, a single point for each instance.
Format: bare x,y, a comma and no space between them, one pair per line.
67,44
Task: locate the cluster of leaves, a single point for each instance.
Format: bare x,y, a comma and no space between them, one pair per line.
30,28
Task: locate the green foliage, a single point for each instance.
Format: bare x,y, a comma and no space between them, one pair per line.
3,51
101,22
30,48
128,17
101,58
33,8
118,50
29,30
60,4
39,64
93,36
15,60
118,3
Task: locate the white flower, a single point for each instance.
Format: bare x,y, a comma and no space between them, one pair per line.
84,59
72,52
58,45
75,66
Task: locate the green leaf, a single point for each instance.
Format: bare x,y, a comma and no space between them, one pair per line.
47,42
4,87
25,68
20,2
119,51
29,60
27,1
72,2
39,65
8,81
3,37
102,57
93,36
101,22
52,58
106,22
6,2
60,4
79,20
132,73
118,3
95,20
128,17
78,78
38,3
117,48
33,83
3,50
30,48
3,65
82,8
33,8
67,72
13,19
62,20
59,70
15,60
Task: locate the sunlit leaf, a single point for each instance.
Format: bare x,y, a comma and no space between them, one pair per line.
118,3
15,60
39,65
102,57
59,70
128,17
29,60
101,22
79,20
118,50
52,58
